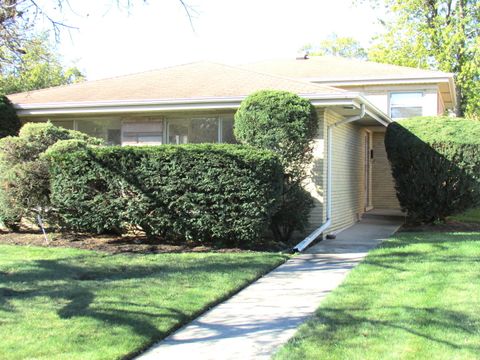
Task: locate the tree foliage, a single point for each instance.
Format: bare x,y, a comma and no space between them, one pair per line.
335,45
38,67
435,34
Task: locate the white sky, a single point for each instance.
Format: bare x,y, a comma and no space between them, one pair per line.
111,41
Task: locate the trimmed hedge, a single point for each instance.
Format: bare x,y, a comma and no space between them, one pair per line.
436,166
222,194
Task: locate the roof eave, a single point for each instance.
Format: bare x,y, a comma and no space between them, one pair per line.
382,81
220,103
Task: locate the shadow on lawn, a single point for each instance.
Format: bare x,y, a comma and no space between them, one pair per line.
79,285
343,322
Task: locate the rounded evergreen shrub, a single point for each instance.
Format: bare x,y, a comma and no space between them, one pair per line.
436,166
9,122
286,124
24,175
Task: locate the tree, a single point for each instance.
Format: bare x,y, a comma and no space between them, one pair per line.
438,35
337,46
38,67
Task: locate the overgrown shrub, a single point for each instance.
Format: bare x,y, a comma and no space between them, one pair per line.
222,194
286,124
9,121
436,166
24,175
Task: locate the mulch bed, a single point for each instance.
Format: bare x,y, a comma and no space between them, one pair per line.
110,243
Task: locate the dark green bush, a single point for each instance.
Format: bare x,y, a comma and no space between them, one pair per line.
9,121
436,166
24,176
286,124
222,194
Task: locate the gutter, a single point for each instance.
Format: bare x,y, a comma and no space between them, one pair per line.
316,233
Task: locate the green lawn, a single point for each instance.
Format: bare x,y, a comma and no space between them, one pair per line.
471,216
416,297
58,303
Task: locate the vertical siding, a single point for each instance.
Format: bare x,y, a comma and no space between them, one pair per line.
383,195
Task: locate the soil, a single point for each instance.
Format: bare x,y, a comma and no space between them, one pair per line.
111,243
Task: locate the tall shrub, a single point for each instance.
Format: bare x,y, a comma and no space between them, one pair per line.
24,176
222,194
286,124
9,121
436,166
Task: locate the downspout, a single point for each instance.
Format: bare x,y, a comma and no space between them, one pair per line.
317,232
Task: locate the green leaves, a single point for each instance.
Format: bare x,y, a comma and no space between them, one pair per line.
221,194
435,165
285,124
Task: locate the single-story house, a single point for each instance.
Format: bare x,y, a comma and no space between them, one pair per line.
196,102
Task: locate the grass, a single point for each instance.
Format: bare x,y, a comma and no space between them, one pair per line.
471,216
415,297
58,303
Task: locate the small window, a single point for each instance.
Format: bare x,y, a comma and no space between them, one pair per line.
406,104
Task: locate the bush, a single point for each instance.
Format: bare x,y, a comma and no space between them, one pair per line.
24,176
9,122
286,124
222,194
436,166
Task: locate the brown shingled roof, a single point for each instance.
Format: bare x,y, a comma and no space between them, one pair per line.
194,80
332,68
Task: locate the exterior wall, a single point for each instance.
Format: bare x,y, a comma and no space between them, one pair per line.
383,196
348,180
379,96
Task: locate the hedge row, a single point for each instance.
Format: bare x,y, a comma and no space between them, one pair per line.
223,194
436,165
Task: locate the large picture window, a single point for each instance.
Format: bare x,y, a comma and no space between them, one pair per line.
406,104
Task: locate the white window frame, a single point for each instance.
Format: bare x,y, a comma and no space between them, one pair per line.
390,93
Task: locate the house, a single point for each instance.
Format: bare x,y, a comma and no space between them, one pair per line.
196,102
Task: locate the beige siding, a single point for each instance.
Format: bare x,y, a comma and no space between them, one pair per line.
379,95
383,195
348,195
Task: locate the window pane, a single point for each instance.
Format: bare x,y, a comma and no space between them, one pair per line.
227,131
405,112
406,99
101,128
204,130
177,133
67,124
194,131
142,133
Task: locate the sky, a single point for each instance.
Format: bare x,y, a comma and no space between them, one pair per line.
111,40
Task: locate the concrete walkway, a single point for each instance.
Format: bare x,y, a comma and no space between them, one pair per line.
263,316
